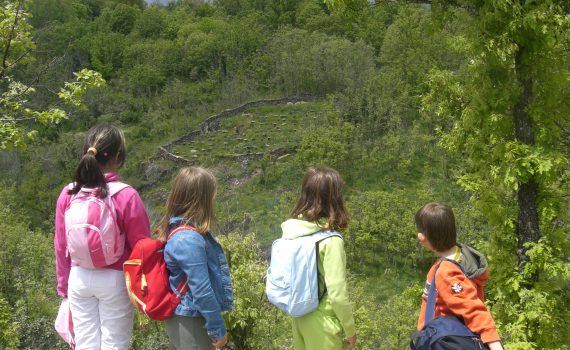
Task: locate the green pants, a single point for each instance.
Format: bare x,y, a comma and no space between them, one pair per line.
319,330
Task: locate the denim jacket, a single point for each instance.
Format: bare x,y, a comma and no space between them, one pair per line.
201,258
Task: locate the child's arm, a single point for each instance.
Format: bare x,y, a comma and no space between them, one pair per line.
62,259
496,345
334,266
459,294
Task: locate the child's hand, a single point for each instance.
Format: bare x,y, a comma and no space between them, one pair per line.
220,342
496,345
350,342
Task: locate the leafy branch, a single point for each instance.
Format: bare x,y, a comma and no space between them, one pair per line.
15,108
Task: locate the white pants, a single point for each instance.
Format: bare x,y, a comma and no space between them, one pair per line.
101,310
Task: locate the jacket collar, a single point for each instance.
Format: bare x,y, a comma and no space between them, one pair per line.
111,176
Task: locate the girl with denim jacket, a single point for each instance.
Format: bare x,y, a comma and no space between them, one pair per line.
320,207
194,254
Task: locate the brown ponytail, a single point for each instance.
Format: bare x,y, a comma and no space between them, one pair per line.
103,143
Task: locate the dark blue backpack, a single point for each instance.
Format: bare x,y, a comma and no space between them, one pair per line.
444,332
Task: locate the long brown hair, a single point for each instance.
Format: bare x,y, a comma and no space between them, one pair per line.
321,198
192,198
103,143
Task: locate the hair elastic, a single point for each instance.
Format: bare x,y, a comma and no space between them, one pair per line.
92,150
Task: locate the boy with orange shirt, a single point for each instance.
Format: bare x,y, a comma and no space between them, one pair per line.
459,293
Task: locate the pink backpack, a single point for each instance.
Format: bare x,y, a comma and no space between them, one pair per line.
93,236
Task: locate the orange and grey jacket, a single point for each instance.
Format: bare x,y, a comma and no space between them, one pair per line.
460,293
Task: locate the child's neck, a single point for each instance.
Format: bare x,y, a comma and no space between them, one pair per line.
450,253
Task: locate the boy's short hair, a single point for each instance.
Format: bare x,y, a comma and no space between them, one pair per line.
437,222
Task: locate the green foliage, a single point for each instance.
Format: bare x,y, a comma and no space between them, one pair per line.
383,225
389,99
27,279
388,326
318,64
123,18
145,79
327,146
539,312
215,45
148,334
16,43
170,67
106,53
9,335
151,23
509,87
73,93
255,323
46,11
36,325
15,36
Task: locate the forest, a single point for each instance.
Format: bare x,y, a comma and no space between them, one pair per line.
465,102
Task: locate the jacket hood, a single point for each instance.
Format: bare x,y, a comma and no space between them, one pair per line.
473,263
294,228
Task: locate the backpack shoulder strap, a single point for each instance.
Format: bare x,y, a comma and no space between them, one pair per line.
430,307
116,187
180,228
317,238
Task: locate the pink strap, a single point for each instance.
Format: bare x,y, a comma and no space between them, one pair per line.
116,187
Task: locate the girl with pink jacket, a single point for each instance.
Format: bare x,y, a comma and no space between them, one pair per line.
101,310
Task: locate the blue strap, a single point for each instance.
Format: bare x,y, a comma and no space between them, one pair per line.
430,307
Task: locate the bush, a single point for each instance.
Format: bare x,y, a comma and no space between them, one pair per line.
123,18
255,323
331,145
386,326
315,63
383,227
27,281
9,339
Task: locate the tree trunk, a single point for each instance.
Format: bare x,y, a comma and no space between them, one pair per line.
527,227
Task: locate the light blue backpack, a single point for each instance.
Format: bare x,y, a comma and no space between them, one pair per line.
292,278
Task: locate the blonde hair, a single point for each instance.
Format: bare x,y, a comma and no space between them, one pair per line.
192,198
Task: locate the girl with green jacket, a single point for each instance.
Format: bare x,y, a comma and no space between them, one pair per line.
320,207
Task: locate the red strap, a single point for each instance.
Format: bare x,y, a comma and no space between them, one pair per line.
180,228
183,286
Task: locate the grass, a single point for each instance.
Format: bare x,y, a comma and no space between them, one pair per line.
257,188
260,129
256,195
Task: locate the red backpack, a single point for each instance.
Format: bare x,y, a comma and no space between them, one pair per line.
147,278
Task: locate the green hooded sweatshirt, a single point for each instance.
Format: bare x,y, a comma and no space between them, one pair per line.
332,267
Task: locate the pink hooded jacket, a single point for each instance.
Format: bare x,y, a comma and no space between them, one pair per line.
132,219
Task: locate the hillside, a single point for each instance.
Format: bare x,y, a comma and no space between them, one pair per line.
410,103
